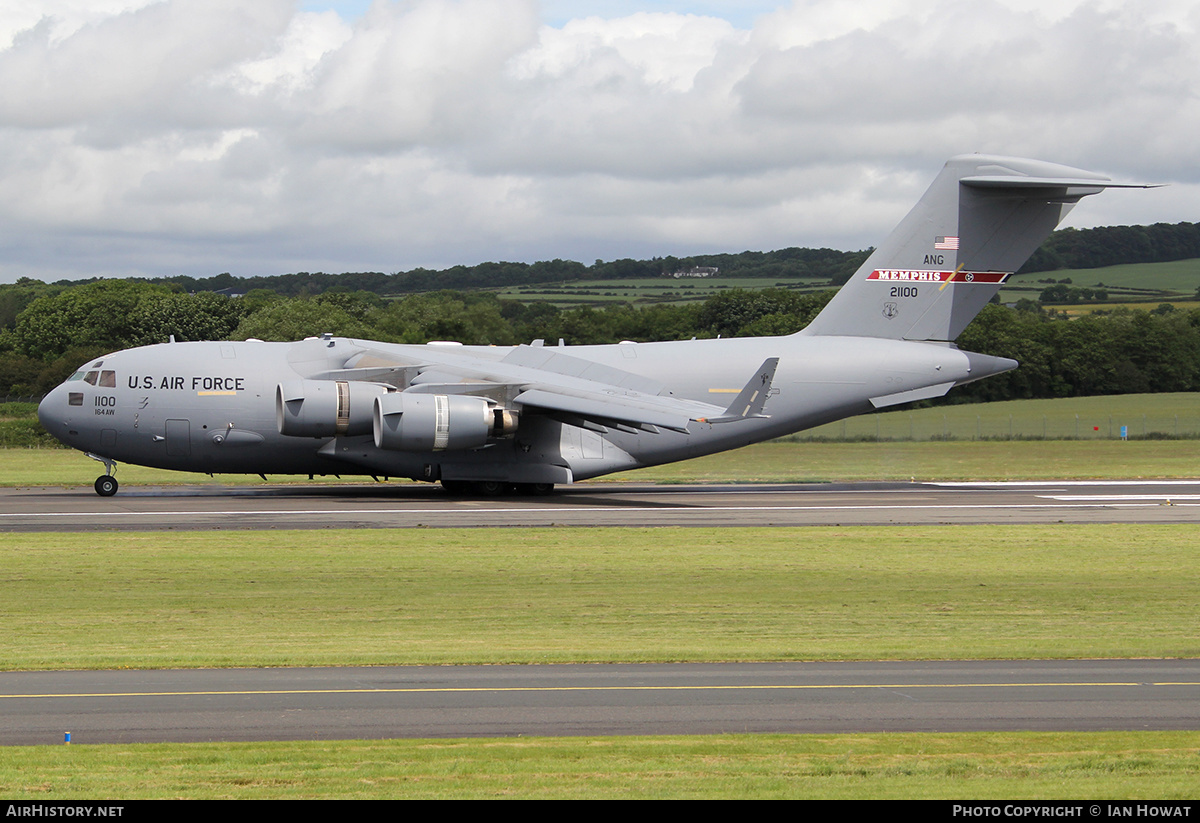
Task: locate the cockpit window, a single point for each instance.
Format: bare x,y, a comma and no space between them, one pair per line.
106,379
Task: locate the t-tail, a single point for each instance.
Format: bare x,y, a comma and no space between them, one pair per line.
978,223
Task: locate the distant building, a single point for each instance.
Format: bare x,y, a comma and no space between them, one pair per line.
697,271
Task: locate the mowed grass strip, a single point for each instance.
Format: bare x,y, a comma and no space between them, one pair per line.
1013,766
1157,416
1182,276
372,597
979,460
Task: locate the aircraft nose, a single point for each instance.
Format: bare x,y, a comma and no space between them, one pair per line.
52,412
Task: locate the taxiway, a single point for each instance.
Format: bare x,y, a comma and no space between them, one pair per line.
475,701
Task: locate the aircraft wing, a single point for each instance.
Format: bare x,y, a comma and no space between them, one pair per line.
669,412
579,391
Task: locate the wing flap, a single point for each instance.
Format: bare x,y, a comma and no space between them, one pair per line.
660,411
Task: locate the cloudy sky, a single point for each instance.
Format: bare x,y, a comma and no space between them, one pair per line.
158,137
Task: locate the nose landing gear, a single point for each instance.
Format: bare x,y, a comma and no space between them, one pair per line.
106,484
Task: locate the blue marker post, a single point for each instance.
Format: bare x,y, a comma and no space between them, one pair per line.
67,738
1124,432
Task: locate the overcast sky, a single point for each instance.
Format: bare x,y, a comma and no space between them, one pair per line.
160,137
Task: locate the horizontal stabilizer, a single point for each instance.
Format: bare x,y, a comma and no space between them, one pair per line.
1005,182
926,393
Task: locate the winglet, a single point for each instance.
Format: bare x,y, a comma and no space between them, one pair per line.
750,400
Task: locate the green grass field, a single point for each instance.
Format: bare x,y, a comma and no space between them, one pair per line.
1136,286
1111,765
1142,285
984,460
446,596
1179,277
1067,418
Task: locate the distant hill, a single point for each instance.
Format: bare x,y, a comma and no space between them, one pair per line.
1065,249
1116,245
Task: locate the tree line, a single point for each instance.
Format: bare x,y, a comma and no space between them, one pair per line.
1115,246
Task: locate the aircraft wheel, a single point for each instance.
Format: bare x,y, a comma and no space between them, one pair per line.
106,485
536,489
491,488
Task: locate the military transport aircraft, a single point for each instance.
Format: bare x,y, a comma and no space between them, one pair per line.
486,419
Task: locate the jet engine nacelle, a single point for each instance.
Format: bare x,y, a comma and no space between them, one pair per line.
325,408
436,422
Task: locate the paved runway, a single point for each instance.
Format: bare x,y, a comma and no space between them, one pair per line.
600,504
466,701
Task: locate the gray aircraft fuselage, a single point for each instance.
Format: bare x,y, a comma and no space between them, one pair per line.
212,407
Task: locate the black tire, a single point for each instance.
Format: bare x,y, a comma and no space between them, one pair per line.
106,485
535,489
491,488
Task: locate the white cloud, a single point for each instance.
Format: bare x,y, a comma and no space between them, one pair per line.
149,64
62,17
418,73
202,136
663,49
309,37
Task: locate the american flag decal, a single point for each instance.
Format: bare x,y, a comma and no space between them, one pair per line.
946,243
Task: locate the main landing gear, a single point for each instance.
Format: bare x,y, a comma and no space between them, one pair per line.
106,484
494,488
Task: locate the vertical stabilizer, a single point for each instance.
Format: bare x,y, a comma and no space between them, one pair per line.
979,222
